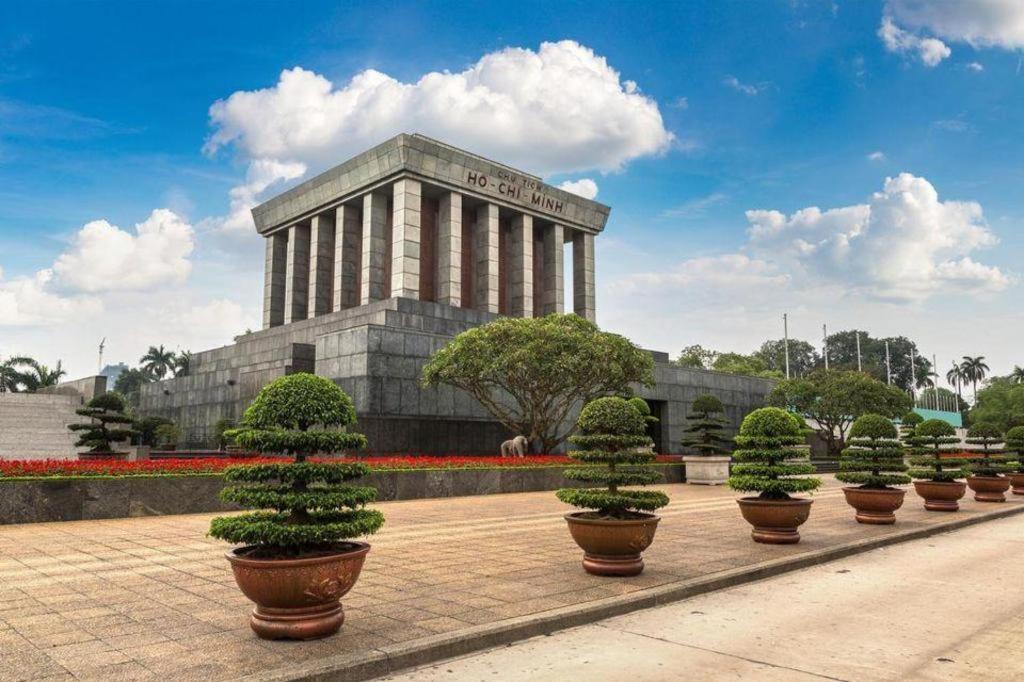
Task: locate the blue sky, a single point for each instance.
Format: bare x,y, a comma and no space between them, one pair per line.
761,106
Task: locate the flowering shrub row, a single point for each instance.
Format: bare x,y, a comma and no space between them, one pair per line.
182,467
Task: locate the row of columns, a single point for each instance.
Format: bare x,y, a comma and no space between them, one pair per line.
351,257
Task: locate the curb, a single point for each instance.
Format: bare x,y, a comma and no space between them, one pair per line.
398,657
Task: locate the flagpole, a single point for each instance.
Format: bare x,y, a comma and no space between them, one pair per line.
824,344
858,350
888,366
785,341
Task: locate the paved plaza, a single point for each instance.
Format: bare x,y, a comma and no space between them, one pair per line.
154,598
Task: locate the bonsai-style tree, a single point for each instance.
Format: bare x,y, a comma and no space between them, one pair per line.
874,459
612,433
991,460
836,398
703,433
908,423
532,373
931,440
767,461
107,415
1015,445
641,406
311,508
167,435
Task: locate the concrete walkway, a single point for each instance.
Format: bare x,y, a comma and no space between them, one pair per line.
949,607
154,598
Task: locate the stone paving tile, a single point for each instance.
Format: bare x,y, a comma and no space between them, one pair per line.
153,598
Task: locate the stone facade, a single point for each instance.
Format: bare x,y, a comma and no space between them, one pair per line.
374,265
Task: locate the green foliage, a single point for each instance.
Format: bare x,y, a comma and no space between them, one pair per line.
105,412
613,439
1015,445
931,440
992,460
836,398
767,460
703,431
146,427
803,356
167,434
313,506
531,373
748,365
220,431
874,458
696,357
129,384
1000,403
641,406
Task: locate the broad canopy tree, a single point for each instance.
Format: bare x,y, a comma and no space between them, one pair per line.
834,399
532,373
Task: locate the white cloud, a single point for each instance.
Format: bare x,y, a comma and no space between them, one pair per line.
104,257
28,301
584,187
721,276
976,67
560,109
695,207
979,23
261,174
876,156
903,245
931,51
737,85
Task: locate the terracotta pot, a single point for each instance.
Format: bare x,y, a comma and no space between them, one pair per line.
98,456
875,506
989,488
1017,481
941,495
298,598
612,547
775,522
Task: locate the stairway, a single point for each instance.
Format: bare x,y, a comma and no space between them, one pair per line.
35,426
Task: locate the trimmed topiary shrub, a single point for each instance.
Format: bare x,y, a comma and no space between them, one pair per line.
641,406
767,461
611,435
991,461
1015,445
931,440
874,456
106,413
309,508
703,431
908,423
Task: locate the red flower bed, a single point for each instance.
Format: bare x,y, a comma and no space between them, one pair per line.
213,465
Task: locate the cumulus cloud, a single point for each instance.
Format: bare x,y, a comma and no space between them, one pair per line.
903,245
584,187
261,174
979,23
29,301
930,51
103,257
559,109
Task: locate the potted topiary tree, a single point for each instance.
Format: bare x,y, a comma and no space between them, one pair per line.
167,436
874,460
703,433
908,423
107,414
986,468
620,527
1015,445
297,559
936,472
768,462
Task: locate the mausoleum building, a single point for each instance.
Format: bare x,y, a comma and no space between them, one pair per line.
375,264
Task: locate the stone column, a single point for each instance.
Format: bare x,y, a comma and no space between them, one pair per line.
348,234
321,265
405,240
374,228
485,255
554,270
449,250
296,279
274,280
521,267
583,275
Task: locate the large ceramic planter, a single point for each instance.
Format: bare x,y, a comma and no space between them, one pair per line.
707,470
989,488
1017,481
102,456
612,547
941,495
298,598
775,522
875,506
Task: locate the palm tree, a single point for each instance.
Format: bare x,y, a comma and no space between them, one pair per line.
1017,375
13,376
40,376
975,370
158,361
182,363
955,378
